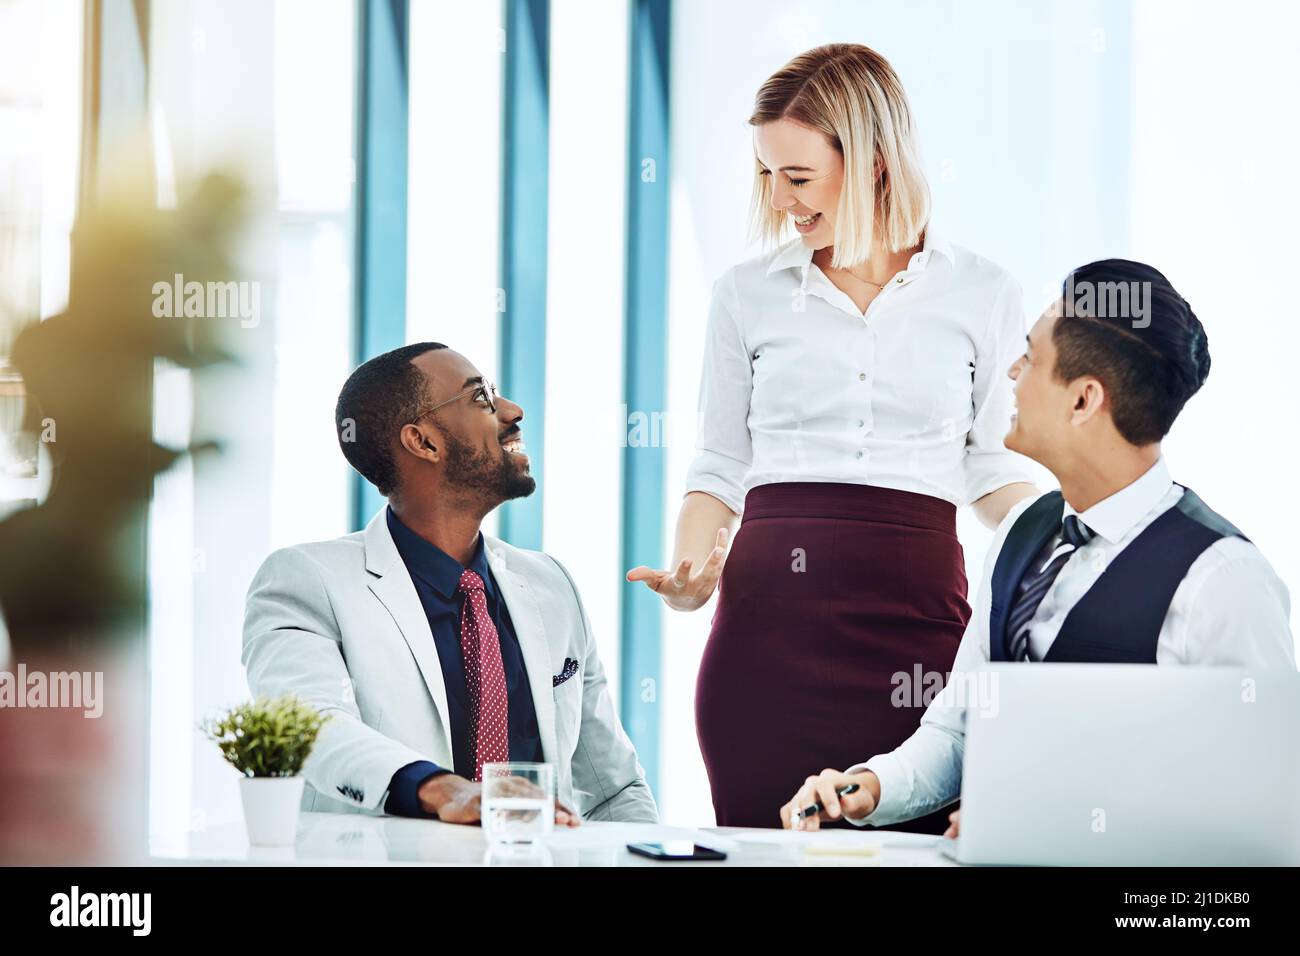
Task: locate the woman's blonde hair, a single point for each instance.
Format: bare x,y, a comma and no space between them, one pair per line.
851,95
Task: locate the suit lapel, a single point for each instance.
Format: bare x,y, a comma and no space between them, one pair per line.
392,585
1023,542
530,629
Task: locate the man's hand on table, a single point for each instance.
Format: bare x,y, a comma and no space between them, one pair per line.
457,800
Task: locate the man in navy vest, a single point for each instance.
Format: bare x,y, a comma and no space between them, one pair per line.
1122,565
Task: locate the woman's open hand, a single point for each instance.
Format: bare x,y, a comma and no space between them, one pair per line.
684,589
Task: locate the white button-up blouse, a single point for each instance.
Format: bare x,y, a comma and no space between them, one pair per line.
798,385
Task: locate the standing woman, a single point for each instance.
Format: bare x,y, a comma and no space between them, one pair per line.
853,397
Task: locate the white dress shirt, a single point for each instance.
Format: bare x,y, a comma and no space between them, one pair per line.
799,385
1231,610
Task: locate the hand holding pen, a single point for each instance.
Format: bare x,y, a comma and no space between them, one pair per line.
829,796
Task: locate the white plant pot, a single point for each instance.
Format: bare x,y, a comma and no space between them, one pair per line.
271,809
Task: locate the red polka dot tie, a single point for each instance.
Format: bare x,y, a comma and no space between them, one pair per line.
485,677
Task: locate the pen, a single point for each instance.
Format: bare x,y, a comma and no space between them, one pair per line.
817,807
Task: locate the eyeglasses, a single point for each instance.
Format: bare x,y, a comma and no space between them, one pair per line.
483,391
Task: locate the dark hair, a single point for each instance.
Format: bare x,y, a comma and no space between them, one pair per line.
1151,364
379,397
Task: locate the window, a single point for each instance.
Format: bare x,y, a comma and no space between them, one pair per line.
265,89
40,132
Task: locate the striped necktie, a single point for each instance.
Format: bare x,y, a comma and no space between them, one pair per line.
1074,535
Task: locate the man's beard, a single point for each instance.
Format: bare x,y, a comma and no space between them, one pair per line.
482,476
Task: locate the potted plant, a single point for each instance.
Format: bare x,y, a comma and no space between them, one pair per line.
268,741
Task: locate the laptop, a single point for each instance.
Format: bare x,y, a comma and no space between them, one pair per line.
1131,765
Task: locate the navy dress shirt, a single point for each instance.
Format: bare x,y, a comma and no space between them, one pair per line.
436,576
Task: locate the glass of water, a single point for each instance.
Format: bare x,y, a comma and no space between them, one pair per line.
518,802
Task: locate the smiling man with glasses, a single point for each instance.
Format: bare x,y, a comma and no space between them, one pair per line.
434,648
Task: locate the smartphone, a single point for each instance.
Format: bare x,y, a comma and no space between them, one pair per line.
676,850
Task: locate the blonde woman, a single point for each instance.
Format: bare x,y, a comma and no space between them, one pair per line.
853,397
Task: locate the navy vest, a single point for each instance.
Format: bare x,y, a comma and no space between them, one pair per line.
1118,620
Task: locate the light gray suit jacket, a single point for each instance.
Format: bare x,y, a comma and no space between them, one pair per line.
340,624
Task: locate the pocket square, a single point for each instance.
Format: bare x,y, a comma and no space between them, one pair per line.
570,668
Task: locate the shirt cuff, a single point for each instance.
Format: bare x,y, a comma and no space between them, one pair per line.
893,789
404,790
720,476
986,472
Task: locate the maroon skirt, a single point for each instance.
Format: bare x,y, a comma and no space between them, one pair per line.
830,591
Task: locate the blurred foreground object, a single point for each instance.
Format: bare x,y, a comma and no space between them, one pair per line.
88,376
73,570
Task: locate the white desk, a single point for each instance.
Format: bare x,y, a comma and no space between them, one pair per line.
329,839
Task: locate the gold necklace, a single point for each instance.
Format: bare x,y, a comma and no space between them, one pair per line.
849,273
878,285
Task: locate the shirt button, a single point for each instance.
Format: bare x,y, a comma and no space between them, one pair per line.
859,454
899,279
862,376
861,423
